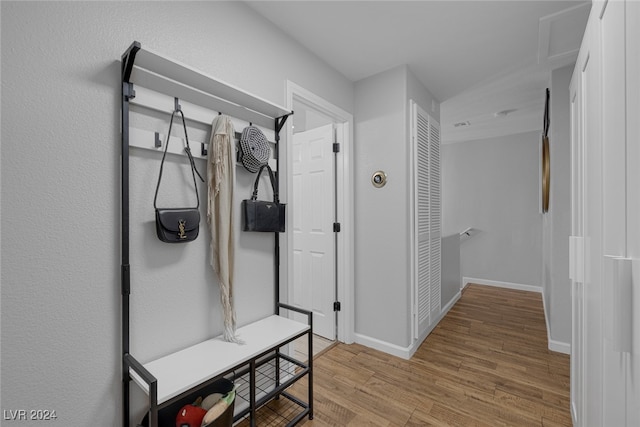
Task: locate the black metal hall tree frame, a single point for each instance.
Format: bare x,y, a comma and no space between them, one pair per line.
183,82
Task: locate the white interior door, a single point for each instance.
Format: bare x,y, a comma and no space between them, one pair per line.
313,204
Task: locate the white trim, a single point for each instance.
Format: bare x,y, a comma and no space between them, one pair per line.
392,349
413,251
451,303
546,315
506,285
559,347
553,345
346,274
405,352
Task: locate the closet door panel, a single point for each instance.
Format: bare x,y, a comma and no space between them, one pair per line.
577,256
612,36
632,15
613,129
423,220
427,244
593,306
435,218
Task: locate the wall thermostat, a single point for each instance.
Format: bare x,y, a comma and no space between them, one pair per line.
379,179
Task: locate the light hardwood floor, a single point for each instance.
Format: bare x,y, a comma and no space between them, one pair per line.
320,345
485,364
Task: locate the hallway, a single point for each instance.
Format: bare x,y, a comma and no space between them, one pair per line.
485,364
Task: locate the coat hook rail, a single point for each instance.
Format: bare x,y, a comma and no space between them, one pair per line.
237,135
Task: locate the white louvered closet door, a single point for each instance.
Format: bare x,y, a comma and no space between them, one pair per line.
425,136
434,217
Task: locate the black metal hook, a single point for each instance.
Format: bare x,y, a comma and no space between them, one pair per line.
176,105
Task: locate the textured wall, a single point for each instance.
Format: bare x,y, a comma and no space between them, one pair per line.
60,194
382,241
383,227
492,185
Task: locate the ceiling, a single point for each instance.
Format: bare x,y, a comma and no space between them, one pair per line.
476,57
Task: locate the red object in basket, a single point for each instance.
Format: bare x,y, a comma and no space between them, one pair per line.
190,416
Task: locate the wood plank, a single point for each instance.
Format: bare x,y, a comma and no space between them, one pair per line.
486,364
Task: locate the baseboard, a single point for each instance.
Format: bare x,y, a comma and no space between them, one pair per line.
553,345
449,305
497,284
546,318
405,352
385,347
559,346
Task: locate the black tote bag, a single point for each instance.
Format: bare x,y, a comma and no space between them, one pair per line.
259,215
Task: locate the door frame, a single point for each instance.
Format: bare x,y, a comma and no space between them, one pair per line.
344,203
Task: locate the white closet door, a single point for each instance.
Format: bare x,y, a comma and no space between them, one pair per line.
427,217
576,269
587,219
612,38
434,217
633,201
423,256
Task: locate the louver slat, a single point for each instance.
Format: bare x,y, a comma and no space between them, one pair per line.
427,181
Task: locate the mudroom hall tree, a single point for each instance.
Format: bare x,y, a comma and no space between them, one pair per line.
260,369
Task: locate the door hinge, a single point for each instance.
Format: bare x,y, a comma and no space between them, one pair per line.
336,227
336,147
336,306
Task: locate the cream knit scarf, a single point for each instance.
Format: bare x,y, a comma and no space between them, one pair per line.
221,174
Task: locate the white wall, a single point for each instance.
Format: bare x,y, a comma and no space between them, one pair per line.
383,227
60,190
422,97
492,185
381,235
557,222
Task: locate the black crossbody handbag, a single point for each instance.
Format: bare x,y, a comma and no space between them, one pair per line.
259,215
178,225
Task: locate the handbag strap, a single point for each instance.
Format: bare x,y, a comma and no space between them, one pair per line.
194,171
274,185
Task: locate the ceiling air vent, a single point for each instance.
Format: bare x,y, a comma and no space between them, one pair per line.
461,124
504,113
